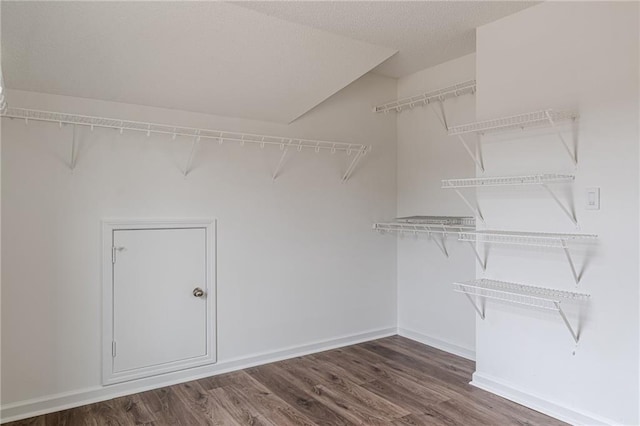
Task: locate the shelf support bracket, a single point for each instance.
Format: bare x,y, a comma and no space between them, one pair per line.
475,305
192,153
476,157
482,264
475,210
281,162
574,334
440,243
576,277
573,155
354,163
566,211
442,114
74,149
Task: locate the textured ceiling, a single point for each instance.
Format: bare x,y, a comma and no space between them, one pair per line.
425,33
209,57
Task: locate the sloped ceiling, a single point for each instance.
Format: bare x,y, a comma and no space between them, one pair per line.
209,57
425,33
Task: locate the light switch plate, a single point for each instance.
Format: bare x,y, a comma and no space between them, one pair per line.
593,199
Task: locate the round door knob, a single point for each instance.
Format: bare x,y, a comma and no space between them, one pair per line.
198,292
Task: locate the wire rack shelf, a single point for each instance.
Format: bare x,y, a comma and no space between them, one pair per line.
538,179
531,119
534,239
538,297
440,220
538,239
547,117
543,180
284,143
422,99
435,227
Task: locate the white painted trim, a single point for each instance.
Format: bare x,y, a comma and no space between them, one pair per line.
62,401
538,403
108,227
452,348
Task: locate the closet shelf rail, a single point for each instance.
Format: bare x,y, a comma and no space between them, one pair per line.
539,179
538,297
547,117
432,226
532,119
534,239
426,98
284,143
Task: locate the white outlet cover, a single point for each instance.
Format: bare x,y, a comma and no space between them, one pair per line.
593,199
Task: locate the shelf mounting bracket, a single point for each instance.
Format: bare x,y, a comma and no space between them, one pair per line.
192,153
477,156
74,149
573,154
571,215
475,305
574,334
482,264
442,114
362,151
475,210
440,243
576,277
281,162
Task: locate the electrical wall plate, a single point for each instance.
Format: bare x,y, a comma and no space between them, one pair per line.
592,199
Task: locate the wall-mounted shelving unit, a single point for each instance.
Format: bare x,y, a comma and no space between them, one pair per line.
434,97
544,180
538,297
440,226
423,99
542,118
285,144
535,239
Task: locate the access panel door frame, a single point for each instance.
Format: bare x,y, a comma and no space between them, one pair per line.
210,357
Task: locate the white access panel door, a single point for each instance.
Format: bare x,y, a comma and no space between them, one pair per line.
160,302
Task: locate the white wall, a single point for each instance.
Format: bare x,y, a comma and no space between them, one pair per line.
298,262
428,309
565,55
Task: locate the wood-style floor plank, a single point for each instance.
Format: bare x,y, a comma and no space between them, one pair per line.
391,381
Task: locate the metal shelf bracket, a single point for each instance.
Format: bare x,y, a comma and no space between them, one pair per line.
361,151
537,297
477,156
473,208
74,148
192,154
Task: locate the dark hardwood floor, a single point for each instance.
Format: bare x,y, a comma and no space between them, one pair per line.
391,381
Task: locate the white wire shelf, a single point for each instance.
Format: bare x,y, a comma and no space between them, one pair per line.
547,117
534,239
543,180
440,220
538,297
284,143
539,179
426,98
538,239
439,226
531,119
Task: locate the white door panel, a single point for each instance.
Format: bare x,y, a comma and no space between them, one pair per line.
157,323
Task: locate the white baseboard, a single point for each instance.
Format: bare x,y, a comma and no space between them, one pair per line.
62,401
520,396
438,344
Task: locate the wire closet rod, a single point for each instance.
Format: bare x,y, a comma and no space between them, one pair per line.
428,97
148,128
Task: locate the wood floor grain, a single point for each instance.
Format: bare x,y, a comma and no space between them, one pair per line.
391,381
